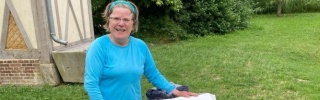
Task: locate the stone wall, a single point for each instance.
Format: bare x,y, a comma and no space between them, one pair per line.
20,72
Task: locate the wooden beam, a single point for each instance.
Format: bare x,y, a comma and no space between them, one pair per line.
58,18
90,20
5,24
42,31
83,21
67,22
75,19
20,54
35,21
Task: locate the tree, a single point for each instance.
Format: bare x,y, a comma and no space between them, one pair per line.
280,2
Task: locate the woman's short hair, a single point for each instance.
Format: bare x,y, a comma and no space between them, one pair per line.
109,8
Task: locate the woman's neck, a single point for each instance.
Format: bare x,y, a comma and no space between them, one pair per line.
120,42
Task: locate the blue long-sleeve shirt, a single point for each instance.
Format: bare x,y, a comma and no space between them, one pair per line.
114,72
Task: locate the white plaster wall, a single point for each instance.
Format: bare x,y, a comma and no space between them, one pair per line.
23,8
1,17
72,31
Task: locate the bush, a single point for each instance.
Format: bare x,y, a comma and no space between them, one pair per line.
155,25
289,6
160,29
203,17
299,6
195,18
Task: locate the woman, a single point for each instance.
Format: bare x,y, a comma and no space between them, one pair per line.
116,61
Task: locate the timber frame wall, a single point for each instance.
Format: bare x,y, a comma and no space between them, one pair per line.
41,31
23,66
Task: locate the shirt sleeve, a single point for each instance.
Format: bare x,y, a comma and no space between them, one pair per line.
153,74
93,71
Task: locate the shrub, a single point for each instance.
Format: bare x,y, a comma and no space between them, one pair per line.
156,25
202,17
298,6
160,29
289,6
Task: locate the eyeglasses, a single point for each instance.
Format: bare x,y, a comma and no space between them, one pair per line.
117,19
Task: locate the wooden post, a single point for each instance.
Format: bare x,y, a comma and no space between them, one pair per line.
42,31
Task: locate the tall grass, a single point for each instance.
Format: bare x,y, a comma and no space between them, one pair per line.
276,58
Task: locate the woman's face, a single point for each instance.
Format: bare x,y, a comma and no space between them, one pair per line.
121,23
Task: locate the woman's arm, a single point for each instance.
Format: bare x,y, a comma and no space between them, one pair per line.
93,71
153,74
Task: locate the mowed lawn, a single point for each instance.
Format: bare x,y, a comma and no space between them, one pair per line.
275,58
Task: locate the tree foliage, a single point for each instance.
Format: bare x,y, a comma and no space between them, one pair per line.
203,17
288,6
144,6
179,19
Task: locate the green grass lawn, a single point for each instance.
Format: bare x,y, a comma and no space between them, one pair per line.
276,58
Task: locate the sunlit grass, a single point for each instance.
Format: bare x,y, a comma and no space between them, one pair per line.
275,58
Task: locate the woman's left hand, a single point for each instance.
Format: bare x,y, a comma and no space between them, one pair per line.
183,93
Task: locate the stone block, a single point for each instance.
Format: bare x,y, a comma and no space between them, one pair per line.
50,74
70,65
